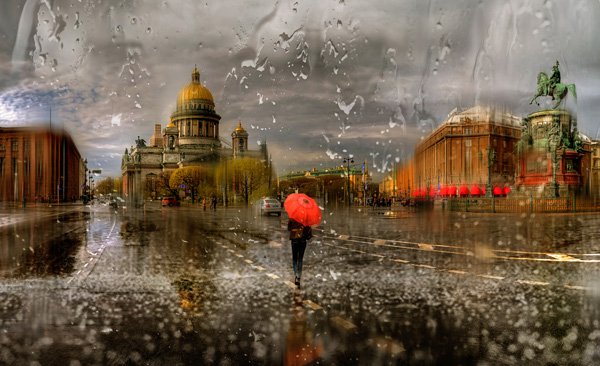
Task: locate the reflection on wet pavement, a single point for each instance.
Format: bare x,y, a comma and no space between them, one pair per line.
184,286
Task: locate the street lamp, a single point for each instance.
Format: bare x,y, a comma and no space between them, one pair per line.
491,158
348,160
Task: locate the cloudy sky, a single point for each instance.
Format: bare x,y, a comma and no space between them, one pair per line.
317,80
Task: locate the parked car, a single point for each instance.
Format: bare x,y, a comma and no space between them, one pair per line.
170,201
269,206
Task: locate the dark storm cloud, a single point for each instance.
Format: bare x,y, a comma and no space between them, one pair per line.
316,79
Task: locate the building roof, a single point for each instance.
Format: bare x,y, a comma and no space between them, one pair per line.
194,92
478,114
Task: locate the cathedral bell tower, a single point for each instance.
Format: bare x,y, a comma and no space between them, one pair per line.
239,140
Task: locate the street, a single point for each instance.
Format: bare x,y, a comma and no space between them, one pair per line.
180,285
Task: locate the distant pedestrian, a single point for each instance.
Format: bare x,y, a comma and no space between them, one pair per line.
204,203
214,203
299,234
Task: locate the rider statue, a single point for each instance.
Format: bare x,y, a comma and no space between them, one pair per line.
553,87
554,79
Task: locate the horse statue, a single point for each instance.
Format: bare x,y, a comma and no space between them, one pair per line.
552,87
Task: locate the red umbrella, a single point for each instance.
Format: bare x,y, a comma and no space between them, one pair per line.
303,209
506,191
463,191
475,191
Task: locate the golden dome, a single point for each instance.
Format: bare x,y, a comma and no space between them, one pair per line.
239,127
194,92
239,131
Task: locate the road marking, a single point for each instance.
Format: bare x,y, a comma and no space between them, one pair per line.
377,255
571,287
312,305
343,323
400,261
535,283
563,257
239,255
455,271
275,244
425,246
490,277
231,250
273,276
248,261
290,284
462,250
259,268
424,266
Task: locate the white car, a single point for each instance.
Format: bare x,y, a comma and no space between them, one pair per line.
269,206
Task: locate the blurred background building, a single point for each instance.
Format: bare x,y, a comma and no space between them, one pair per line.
190,139
459,151
39,165
485,147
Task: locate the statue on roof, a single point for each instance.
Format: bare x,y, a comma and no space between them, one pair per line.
553,87
140,142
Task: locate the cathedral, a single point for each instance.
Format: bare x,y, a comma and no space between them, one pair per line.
191,138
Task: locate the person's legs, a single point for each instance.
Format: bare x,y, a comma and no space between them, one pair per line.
295,258
301,246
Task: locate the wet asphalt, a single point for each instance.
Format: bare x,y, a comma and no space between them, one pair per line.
180,285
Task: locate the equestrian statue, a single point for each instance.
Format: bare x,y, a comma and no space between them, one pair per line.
552,87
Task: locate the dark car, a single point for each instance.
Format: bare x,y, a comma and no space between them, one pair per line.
170,201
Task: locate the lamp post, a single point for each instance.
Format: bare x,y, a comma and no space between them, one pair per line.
348,160
491,158
554,168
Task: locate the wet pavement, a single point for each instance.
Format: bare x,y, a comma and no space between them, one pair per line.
91,285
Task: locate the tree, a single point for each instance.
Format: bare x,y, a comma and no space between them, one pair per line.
192,178
163,184
118,185
250,177
105,186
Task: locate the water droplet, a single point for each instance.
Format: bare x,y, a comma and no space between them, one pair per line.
148,30
134,20
118,28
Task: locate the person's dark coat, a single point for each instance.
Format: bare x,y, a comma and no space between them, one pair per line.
299,231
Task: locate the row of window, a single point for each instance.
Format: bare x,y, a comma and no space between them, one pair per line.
14,145
195,129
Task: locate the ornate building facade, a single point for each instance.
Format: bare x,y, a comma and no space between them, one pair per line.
554,157
460,151
39,165
191,138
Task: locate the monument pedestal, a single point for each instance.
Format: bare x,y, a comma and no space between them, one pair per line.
549,163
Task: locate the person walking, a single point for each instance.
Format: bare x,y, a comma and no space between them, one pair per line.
204,203
299,234
214,203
